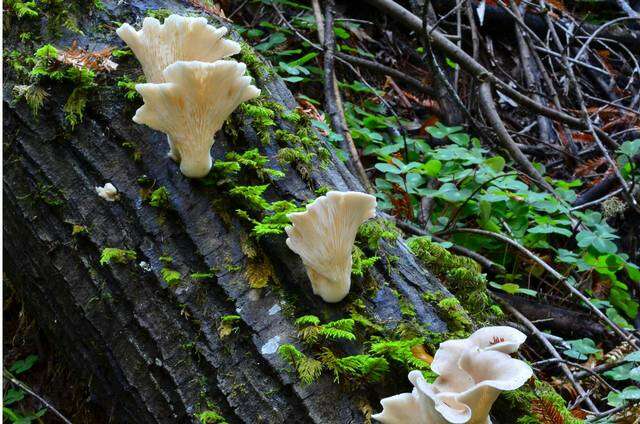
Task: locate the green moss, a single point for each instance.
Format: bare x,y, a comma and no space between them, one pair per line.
128,87
454,314
256,67
33,95
160,198
251,195
374,230
293,116
261,117
121,256
49,195
170,276
210,417
460,274
361,262
23,9
159,14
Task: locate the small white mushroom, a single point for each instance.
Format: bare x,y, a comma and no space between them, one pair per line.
323,237
159,45
472,373
108,192
192,106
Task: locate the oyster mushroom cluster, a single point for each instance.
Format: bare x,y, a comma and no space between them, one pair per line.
191,89
471,374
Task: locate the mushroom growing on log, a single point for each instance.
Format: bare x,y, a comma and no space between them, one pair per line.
146,336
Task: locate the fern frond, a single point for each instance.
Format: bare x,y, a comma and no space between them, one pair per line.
307,320
252,195
400,351
337,334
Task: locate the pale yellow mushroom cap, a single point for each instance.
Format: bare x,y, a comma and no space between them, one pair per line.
323,237
159,45
192,105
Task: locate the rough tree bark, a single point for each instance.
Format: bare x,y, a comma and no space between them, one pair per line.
153,353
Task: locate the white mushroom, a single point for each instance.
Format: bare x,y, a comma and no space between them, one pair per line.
470,380
500,338
323,237
192,106
108,192
159,45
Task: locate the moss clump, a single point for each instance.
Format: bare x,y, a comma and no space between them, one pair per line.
454,314
372,231
256,67
535,402
361,262
120,256
261,117
460,274
160,198
298,158
159,14
170,276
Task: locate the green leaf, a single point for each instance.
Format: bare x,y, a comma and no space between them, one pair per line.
451,63
620,373
23,365
581,348
496,163
513,288
432,168
387,167
630,148
461,139
633,357
12,396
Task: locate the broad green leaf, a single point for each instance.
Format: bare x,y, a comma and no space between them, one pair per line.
432,168
23,365
387,167
460,139
12,396
633,357
496,163
620,373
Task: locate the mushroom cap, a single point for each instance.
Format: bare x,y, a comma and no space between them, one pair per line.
473,372
193,105
323,237
179,38
499,338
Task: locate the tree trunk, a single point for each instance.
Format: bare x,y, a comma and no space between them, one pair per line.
152,352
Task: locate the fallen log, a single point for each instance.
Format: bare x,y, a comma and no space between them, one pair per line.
152,350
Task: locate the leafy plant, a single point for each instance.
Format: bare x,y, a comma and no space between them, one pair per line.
580,349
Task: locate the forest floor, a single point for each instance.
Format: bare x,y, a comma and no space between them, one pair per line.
516,143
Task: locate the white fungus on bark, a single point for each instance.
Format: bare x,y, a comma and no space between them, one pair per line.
108,192
323,237
192,105
472,373
159,45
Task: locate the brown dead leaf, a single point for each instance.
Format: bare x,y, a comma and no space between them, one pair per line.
589,167
546,412
82,59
